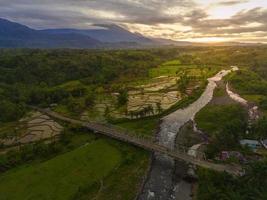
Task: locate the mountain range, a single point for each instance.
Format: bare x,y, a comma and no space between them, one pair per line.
15,35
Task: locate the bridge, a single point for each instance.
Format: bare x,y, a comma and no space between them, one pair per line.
144,142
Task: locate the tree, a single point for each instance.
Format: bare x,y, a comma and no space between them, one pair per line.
90,99
107,112
123,97
75,106
159,108
10,111
263,103
78,92
260,128
183,82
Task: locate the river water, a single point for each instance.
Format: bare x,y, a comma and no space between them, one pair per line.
160,184
253,111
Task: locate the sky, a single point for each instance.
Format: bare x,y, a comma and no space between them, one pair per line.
181,20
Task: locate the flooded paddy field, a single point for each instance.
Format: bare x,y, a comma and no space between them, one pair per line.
33,128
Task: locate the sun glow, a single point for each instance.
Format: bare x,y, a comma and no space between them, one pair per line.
208,39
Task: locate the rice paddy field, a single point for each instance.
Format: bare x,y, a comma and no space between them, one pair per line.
158,89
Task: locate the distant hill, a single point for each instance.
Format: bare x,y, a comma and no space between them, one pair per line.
14,35
107,33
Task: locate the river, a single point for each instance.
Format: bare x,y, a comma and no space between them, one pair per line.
160,184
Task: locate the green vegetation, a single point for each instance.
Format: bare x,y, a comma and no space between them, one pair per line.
251,83
219,92
248,82
43,77
97,164
73,80
6,129
172,62
10,111
69,172
183,82
166,69
225,124
41,151
212,119
175,67
259,129
123,97
222,186
124,182
145,126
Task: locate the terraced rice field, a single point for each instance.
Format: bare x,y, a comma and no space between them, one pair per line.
34,128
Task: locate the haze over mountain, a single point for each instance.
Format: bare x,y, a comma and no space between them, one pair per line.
15,35
107,33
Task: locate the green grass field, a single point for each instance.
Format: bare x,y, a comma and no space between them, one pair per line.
87,167
172,62
254,98
171,68
219,92
141,126
124,182
165,69
212,118
61,177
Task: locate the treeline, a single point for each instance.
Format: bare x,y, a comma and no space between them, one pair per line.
52,67
222,186
42,150
248,82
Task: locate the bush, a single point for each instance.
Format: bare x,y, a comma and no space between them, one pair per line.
222,186
90,99
10,111
123,97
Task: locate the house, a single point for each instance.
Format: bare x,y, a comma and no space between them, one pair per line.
232,154
253,144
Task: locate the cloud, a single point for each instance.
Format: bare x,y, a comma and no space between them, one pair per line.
231,2
84,11
170,18
253,20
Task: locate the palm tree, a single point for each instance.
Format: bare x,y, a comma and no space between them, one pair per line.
159,108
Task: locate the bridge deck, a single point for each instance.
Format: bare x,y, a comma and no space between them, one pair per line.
148,144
